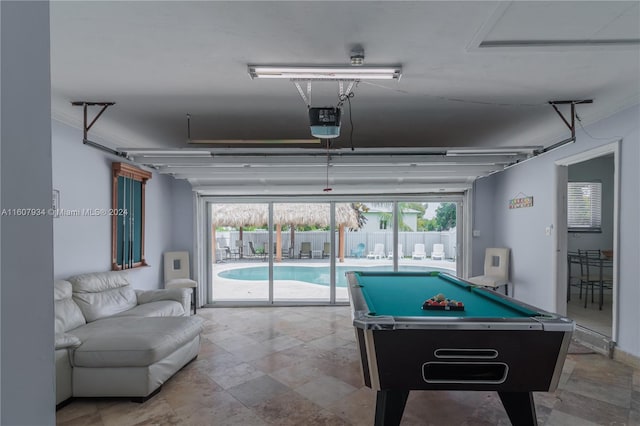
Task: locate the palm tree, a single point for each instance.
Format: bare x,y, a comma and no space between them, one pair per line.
360,210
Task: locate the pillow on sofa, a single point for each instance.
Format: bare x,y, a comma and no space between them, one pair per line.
103,294
67,314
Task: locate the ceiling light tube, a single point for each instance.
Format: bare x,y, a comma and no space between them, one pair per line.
325,72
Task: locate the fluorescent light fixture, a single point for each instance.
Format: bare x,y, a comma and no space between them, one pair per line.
488,151
142,152
254,141
624,42
326,72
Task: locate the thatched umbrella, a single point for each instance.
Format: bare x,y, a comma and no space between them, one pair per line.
239,215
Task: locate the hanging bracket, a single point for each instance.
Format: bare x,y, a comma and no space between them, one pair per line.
571,123
86,127
306,98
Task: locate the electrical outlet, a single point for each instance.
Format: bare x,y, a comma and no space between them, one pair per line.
476,233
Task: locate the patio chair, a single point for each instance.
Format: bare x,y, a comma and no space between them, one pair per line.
377,253
496,269
400,253
253,253
418,252
223,253
358,252
326,250
305,250
437,252
238,252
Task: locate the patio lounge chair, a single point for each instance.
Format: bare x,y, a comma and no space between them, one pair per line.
358,251
438,251
253,251
377,253
326,250
418,252
400,253
305,250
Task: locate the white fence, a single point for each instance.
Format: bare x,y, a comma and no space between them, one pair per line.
260,239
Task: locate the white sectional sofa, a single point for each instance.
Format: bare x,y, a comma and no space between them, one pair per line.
112,340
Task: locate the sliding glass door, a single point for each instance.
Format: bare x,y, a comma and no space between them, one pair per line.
284,252
239,268
302,252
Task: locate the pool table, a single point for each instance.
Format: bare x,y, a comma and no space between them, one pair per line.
495,343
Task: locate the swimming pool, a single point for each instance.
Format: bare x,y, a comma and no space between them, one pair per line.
309,274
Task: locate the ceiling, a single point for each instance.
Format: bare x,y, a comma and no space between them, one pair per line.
475,76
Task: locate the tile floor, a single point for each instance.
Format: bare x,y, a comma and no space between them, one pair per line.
591,317
299,366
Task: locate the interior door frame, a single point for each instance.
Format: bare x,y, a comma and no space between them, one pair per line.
561,234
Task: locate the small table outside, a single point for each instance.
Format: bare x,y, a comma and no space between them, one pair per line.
315,254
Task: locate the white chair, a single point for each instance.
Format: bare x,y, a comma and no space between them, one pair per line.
176,274
496,269
437,252
400,252
418,252
222,252
377,253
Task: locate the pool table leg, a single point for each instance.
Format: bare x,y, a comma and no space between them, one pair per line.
390,406
520,408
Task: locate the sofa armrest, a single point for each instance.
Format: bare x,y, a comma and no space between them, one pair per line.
180,295
67,341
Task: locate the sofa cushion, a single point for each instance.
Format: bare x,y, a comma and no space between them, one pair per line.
161,308
67,313
96,282
132,341
103,294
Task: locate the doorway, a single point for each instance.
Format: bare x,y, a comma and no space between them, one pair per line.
593,178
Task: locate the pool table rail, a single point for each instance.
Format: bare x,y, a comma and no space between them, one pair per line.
363,319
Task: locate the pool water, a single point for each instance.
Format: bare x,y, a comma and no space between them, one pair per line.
309,274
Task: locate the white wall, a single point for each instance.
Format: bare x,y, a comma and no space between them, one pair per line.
26,267
523,230
82,244
483,222
183,215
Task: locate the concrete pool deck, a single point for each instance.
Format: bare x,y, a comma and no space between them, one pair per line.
227,290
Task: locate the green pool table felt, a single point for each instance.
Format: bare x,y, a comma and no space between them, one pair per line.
401,294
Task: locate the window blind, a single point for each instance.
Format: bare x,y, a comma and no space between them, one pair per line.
584,206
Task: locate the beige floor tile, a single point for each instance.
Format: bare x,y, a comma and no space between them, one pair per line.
256,391
325,390
297,374
358,408
233,376
301,365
